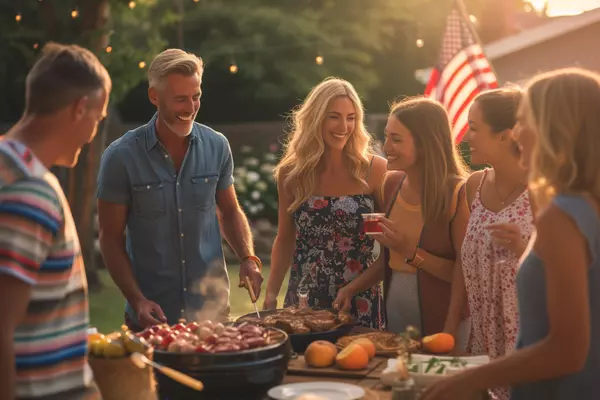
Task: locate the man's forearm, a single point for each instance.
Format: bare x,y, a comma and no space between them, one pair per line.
7,368
236,230
118,265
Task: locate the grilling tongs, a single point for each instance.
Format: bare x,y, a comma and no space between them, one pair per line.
252,295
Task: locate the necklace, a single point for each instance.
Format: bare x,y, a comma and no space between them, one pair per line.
503,200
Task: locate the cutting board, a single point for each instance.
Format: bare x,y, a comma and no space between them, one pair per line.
298,366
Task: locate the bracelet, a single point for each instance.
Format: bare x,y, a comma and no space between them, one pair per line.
256,260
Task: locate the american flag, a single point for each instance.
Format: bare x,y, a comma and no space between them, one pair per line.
461,73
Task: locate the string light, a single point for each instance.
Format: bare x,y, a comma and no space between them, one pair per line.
473,19
233,68
419,35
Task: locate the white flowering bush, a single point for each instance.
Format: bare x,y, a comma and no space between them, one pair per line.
254,182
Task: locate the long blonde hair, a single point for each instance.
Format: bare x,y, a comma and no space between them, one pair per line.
562,108
438,158
305,147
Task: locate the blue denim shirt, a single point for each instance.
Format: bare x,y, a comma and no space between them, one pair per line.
173,236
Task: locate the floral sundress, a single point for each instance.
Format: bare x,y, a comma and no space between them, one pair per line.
331,250
490,273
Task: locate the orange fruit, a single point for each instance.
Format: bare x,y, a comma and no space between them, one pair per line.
366,344
352,357
320,354
439,343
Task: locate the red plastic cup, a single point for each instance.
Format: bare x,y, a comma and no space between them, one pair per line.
372,226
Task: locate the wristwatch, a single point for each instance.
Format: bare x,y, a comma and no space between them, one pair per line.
416,261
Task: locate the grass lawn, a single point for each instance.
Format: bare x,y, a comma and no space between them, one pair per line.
107,306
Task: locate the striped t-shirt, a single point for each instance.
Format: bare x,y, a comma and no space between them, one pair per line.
39,246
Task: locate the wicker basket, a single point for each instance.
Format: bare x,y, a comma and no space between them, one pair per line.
120,379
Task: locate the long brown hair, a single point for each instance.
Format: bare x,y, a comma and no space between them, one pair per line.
438,158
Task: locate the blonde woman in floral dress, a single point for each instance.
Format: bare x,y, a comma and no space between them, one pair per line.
499,228
328,177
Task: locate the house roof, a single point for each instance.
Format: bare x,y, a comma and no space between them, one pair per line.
540,34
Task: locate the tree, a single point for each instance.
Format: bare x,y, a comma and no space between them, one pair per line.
275,46
121,33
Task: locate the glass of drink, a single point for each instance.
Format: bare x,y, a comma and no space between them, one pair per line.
372,226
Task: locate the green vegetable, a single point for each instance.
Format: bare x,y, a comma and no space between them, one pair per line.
441,369
457,362
433,362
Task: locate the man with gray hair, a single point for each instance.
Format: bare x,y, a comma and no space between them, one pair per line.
165,192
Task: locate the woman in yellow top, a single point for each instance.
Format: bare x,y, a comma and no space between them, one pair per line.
426,205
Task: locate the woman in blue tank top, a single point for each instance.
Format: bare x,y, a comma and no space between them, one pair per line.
558,283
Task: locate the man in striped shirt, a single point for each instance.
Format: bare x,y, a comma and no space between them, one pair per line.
43,288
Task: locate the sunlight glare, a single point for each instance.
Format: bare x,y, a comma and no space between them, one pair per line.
564,7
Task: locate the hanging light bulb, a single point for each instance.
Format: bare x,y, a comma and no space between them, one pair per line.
420,43
142,64
108,49
472,18
36,45
195,1
233,68
74,13
18,17
131,5
319,60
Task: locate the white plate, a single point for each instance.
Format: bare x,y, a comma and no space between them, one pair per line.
329,390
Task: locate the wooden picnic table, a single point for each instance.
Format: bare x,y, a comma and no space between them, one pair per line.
371,383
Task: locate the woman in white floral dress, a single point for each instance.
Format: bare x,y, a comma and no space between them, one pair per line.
499,228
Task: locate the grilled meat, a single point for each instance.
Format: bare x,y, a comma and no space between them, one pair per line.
296,320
